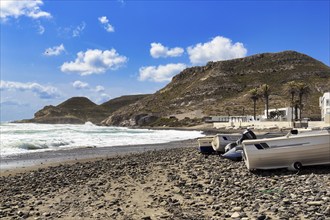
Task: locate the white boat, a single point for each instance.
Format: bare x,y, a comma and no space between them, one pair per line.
291,151
205,144
220,141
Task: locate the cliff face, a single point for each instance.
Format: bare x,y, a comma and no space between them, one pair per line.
220,88
78,110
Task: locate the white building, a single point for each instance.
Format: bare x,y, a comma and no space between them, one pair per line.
325,107
281,114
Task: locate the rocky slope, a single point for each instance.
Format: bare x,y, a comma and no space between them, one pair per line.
78,110
220,88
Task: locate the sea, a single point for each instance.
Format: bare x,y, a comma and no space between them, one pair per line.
22,138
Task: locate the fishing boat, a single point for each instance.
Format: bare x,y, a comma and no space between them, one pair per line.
220,141
205,145
291,151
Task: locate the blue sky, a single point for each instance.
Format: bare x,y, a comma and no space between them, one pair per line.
54,50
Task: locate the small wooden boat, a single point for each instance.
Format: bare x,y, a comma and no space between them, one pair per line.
291,151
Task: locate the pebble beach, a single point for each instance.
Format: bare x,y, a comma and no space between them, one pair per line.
171,183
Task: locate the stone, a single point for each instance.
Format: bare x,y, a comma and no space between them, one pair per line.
163,203
262,217
235,215
237,209
46,214
316,203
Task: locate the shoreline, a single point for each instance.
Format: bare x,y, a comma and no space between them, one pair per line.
16,163
31,161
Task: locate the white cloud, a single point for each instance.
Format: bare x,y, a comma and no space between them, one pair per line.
44,92
219,48
94,62
54,51
28,8
105,22
161,73
41,29
99,88
13,103
78,30
157,50
103,19
84,85
80,85
71,31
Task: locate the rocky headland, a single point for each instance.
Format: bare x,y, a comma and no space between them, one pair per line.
79,110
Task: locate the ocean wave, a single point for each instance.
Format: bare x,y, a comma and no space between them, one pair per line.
24,138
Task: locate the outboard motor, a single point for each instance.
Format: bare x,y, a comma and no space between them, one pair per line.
230,146
247,135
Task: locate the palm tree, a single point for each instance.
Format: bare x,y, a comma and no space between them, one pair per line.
302,90
291,88
265,92
254,95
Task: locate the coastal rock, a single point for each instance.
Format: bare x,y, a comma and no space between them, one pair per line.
146,120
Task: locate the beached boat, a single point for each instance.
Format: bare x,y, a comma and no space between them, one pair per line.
234,153
204,145
291,151
234,150
220,141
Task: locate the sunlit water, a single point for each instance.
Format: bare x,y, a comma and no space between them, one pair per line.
29,138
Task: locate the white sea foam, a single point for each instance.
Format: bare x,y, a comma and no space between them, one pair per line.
28,138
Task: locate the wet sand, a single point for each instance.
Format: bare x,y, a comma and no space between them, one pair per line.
175,182
24,162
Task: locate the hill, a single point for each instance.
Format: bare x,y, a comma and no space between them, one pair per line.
220,88
78,110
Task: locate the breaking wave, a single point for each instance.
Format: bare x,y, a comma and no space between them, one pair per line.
27,138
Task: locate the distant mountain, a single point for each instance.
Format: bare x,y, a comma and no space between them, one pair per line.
119,102
220,88
78,110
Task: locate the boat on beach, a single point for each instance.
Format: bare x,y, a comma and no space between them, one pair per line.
217,143
234,150
221,142
205,145
291,151
234,153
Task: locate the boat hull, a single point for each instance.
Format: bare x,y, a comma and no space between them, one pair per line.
220,141
234,153
205,145
307,149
